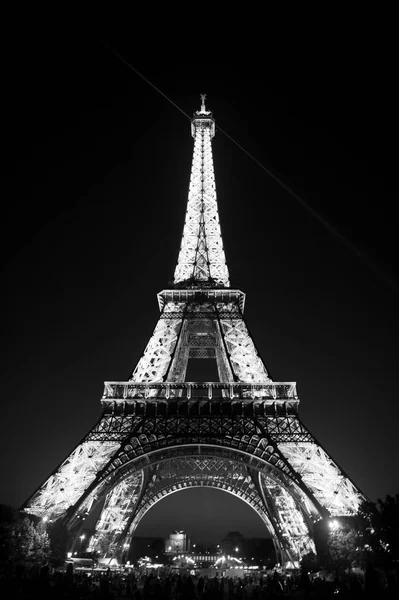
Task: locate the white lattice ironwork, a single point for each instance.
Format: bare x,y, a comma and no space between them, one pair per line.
246,363
156,358
189,472
69,482
330,486
289,519
201,257
114,517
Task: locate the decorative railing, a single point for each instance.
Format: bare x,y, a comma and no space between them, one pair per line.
224,295
130,390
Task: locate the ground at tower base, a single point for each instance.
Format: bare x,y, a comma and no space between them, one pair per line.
47,584
38,570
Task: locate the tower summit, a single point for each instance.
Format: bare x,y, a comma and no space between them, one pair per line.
202,261
159,433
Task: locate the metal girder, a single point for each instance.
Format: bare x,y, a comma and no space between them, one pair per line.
246,363
156,358
67,484
120,447
201,257
166,354
183,473
279,512
119,503
332,488
288,519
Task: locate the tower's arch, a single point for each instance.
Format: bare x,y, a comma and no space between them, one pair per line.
180,487
285,510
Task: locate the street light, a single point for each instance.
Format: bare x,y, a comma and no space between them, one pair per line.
125,551
81,537
333,525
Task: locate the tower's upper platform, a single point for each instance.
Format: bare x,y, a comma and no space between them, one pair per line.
202,119
202,262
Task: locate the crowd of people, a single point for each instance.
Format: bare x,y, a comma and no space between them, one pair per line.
56,585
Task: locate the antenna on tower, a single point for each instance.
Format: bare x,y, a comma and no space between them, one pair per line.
203,96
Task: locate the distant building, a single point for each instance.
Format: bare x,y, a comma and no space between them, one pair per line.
177,542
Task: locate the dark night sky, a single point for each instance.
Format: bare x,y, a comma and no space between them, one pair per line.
97,175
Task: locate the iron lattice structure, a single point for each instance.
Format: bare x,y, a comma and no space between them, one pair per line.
159,434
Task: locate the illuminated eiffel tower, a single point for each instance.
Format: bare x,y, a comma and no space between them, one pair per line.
159,434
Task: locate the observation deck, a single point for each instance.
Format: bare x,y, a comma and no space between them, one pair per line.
199,295
168,398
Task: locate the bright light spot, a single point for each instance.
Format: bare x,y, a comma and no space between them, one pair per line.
333,525
45,519
82,537
69,554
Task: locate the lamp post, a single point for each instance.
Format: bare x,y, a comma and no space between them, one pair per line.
125,551
333,525
43,523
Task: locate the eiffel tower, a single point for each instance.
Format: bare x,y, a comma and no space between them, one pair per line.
158,434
